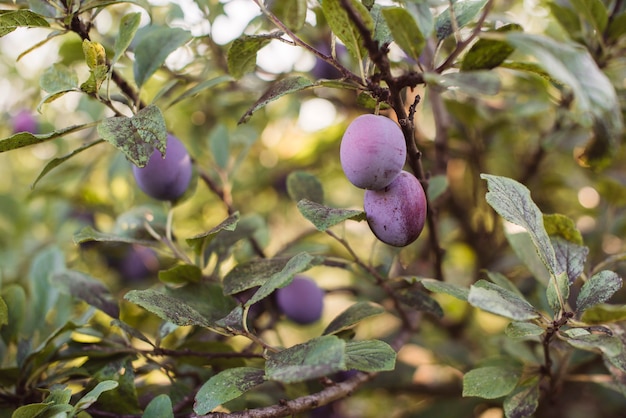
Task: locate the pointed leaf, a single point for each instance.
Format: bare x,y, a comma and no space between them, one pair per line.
487,53
58,78
206,84
523,330
557,292
593,11
524,400
451,289
198,242
315,358
497,300
303,185
291,12
344,28
31,410
159,407
297,264
242,52
352,316
138,136
437,185
154,48
254,273
490,382
469,82
598,289
226,386
55,162
324,217
24,139
382,32
570,258
92,396
277,90
128,27
88,234
608,345
13,19
167,307
370,356
464,12
84,287
603,313
405,31
420,301
502,281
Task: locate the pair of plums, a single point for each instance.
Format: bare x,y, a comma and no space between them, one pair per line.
372,154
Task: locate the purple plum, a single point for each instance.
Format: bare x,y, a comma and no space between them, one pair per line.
302,300
166,178
138,263
396,214
372,151
25,121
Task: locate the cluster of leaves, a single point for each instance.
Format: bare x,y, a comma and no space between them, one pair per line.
67,335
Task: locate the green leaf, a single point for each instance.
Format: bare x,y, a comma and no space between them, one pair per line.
512,201
291,12
487,53
323,217
598,289
251,274
594,12
242,53
15,298
523,330
13,19
405,31
226,386
503,281
370,356
423,16
88,289
92,396
570,258
420,301
524,400
138,136
4,312
344,28
582,339
297,264
198,242
382,32
219,145
558,292
181,274
464,13
558,225
167,307
469,82
302,185
617,28
277,90
451,289
154,48
128,27
352,316
437,185
490,382
603,313
159,407
567,18
25,139
55,162
95,55
31,411
497,300
58,78
315,358
88,234
207,299
200,87
596,101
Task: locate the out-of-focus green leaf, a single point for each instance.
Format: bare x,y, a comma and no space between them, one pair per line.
488,53
370,356
128,27
181,274
524,400
154,48
226,386
13,19
291,12
198,242
562,226
437,185
15,299
277,90
603,313
58,78
469,82
405,31
570,258
523,330
593,11
567,18
207,84
420,301
88,234
4,312
302,185
464,12
345,28
31,411
159,407
324,217
315,358
92,396
137,136
88,289
243,50
352,316
25,139
219,144
453,290
382,32
490,382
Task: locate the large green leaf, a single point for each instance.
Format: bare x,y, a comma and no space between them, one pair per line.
345,28
137,136
13,19
598,289
405,31
488,53
370,356
277,90
497,300
242,53
84,287
315,358
291,12
152,50
128,27
352,316
167,307
24,139
324,217
464,12
524,400
159,407
226,386
199,241
303,185
490,382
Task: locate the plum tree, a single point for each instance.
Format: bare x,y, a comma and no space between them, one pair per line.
25,121
168,177
302,300
396,214
372,151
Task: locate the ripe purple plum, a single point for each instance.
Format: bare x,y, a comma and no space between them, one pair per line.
396,214
25,121
372,151
302,300
166,178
